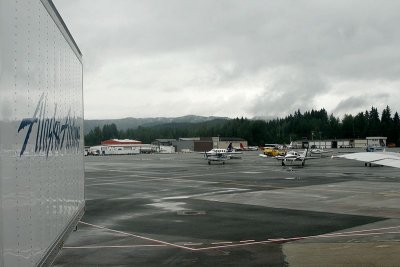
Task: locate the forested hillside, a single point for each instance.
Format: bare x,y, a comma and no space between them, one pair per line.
314,124
133,123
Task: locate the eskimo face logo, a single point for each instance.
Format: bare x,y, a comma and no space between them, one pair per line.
52,134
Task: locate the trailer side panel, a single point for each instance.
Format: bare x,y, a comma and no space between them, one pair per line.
41,133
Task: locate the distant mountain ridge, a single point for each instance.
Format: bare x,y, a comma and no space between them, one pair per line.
133,123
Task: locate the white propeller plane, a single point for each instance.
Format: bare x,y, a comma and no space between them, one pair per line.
293,156
319,151
221,154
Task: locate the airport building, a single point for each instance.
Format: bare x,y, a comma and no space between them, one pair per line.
341,143
223,142
200,144
163,142
377,141
121,147
120,142
337,143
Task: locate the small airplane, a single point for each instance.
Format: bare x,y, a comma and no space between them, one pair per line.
319,151
221,154
384,158
290,146
293,156
248,148
219,157
228,151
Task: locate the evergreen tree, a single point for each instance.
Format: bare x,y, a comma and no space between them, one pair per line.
360,125
396,126
94,137
348,127
334,126
374,122
387,126
110,131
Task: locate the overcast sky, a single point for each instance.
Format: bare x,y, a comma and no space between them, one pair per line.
147,58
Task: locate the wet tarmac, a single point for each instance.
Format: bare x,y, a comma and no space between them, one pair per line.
176,210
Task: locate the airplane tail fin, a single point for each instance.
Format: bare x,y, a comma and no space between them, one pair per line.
229,148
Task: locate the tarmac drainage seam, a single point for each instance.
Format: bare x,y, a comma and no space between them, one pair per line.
191,212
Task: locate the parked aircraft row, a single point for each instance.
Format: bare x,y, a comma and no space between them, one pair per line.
290,157
247,148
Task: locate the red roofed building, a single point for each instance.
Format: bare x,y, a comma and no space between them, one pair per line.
120,142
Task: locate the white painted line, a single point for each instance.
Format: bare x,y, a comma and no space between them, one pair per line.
344,234
138,236
193,244
276,239
229,190
150,179
121,246
367,232
362,231
221,243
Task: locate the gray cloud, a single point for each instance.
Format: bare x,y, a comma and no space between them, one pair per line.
350,104
290,89
290,53
354,104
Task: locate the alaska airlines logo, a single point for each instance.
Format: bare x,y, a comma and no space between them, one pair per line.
52,134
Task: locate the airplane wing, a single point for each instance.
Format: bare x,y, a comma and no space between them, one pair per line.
320,151
307,158
381,158
235,152
216,159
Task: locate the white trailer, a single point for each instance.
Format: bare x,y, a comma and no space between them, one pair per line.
167,149
376,141
323,144
343,144
360,143
121,150
41,133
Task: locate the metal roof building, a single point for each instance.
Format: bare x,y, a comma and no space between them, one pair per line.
120,142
